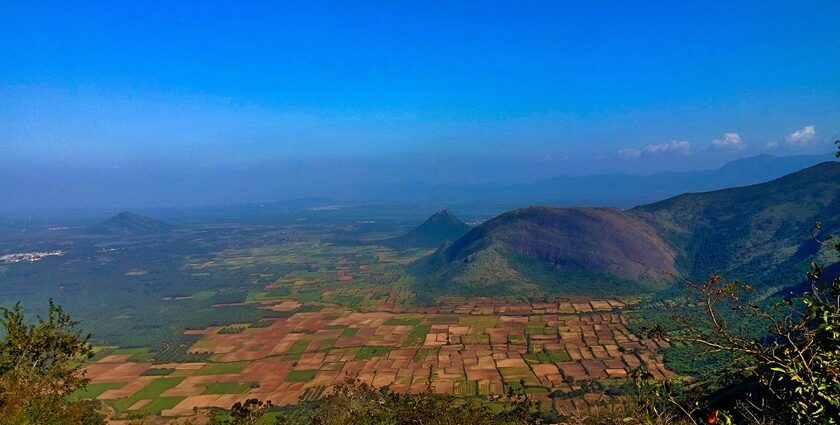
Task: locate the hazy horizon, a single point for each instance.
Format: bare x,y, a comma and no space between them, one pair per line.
111,106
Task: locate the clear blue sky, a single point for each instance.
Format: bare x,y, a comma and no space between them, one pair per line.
581,86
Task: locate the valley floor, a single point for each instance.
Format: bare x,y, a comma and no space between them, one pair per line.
478,347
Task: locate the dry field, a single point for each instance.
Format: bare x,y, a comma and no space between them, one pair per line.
476,348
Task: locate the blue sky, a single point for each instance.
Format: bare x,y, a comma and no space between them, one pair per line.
581,86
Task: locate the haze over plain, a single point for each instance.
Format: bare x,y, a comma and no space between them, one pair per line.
131,106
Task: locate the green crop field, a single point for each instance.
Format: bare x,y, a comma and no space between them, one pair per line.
152,392
368,352
296,349
300,375
95,390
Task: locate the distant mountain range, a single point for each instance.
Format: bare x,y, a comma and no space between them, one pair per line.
617,190
441,227
126,223
481,200
758,232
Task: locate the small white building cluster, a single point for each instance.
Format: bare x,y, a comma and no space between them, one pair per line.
29,256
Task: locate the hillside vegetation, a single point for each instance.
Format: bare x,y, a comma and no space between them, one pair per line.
527,249
756,230
441,227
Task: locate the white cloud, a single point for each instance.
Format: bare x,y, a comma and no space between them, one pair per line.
772,145
802,136
730,141
630,153
678,146
675,146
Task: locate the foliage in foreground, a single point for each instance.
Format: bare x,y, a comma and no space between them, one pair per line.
241,413
789,375
353,402
356,402
40,366
796,366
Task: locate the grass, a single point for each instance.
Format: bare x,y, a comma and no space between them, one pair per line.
348,332
157,387
100,352
159,404
417,335
95,390
226,368
368,352
133,351
443,320
227,388
394,321
515,386
301,375
139,354
203,295
465,388
306,296
559,356
540,330
478,322
255,296
152,391
421,354
277,293
296,349
271,418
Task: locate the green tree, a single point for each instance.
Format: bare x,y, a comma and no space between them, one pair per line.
791,373
40,366
248,412
355,402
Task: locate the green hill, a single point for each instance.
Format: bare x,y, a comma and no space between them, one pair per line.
441,227
751,232
758,232
126,223
554,250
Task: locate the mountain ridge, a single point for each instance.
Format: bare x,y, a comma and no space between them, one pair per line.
759,232
441,227
612,189
128,223
752,228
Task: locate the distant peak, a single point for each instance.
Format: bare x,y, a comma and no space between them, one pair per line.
126,215
128,222
445,216
441,227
